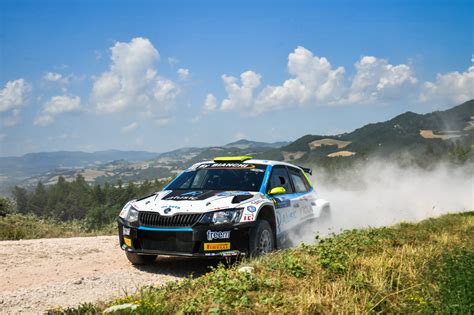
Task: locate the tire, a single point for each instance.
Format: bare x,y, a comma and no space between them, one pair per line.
141,260
261,239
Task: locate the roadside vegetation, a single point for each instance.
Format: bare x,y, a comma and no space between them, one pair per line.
67,209
20,226
426,267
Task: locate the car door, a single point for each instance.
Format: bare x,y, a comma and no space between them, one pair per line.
286,216
301,198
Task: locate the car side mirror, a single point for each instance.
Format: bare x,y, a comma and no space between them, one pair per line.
277,191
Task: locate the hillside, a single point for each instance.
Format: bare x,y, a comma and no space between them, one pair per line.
410,268
429,137
404,133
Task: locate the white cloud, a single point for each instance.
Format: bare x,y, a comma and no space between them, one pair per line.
12,98
378,81
314,82
14,95
57,105
240,97
130,128
52,76
451,88
210,104
183,73
132,81
173,61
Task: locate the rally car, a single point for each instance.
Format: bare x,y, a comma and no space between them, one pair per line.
225,207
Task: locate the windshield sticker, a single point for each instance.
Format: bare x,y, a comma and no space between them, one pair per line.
227,165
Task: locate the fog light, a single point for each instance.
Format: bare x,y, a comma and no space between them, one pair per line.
127,241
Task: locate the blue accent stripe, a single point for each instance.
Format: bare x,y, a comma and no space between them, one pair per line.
263,189
145,228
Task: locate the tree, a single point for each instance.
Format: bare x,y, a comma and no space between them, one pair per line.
38,201
20,195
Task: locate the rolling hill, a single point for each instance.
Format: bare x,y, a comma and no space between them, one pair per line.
424,136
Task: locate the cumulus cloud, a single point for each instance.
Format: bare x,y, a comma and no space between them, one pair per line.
376,80
183,73
451,88
132,81
12,98
210,104
314,81
57,105
240,97
130,128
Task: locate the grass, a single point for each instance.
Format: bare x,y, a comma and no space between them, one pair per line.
18,226
410,268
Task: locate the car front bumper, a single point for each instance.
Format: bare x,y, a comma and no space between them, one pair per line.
197,241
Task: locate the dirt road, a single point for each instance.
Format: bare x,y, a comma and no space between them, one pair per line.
36,275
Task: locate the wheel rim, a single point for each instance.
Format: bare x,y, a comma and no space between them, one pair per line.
265,244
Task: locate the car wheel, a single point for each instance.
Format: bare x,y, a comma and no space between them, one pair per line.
136,259
261,239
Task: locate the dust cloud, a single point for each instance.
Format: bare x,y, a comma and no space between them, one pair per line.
379,193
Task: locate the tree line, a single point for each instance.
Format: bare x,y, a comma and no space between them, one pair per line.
77,200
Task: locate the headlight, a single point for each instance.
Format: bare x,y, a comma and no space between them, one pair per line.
129,213
224,217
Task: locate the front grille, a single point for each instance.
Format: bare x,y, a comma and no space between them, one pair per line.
154,219
167,241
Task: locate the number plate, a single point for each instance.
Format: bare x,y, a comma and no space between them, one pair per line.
216,246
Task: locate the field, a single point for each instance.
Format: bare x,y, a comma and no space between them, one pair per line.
426,267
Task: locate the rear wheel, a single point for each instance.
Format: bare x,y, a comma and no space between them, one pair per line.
261,239
136,259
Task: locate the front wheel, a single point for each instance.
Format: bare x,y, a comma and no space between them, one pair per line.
136,259
261,239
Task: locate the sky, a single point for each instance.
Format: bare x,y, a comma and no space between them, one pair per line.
161,75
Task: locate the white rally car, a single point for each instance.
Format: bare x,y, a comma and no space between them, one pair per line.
229,206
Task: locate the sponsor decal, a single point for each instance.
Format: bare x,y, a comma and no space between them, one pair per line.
171,207
126,231
216,246
192,193
167,210
217,235
226,165
233,193
257,202
282,203
248,217
251,209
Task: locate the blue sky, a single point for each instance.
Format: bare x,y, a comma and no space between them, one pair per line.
159,75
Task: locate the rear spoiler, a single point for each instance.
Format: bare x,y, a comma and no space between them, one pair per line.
306,170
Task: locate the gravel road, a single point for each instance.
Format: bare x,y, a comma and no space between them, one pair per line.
36,275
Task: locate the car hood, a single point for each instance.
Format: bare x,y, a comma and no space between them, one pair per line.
171,202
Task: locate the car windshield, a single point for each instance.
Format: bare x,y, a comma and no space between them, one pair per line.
221,176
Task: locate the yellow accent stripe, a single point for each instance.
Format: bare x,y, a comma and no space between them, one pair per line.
307,178
232,158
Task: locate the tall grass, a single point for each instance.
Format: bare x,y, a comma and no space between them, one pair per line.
18,226
426,267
